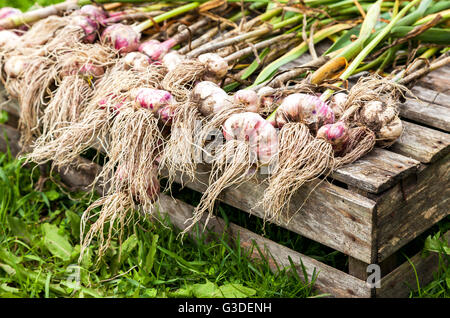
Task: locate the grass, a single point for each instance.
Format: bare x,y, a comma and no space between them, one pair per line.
440,286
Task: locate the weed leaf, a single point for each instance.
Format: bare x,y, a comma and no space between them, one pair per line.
19,228
206,290
236,291
74,221
57,244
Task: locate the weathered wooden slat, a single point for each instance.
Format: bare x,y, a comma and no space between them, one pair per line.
438,80
347,284
421,143
376,171
399,282
329,279
431,96
426,113
331,215
412,206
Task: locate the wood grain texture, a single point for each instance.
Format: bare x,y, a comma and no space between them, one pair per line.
430,95
399,282
376,171
426,113
438,80
421,143
323,215
359,269
329,279
412,206
333,216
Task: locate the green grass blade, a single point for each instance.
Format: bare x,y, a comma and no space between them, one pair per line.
432,35
254,66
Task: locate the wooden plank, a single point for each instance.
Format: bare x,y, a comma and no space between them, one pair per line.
333,216
329,279
431,96
412,206
426,113
421,143
437,80
376,171
398,283
359,269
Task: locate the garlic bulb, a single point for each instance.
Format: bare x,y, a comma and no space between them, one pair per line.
375,114
248,99
389,133
337,104
304,108
252,128
216,66
136,60
336,134
121,37
210,98
172,59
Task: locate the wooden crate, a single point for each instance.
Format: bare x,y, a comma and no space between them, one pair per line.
370,210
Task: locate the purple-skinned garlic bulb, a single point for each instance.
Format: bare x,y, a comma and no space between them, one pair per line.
156,50
93,12
304,108
336,134
121,37
6,12
112,102
89,69
89,27
248,99
252,128
166,114
152,99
